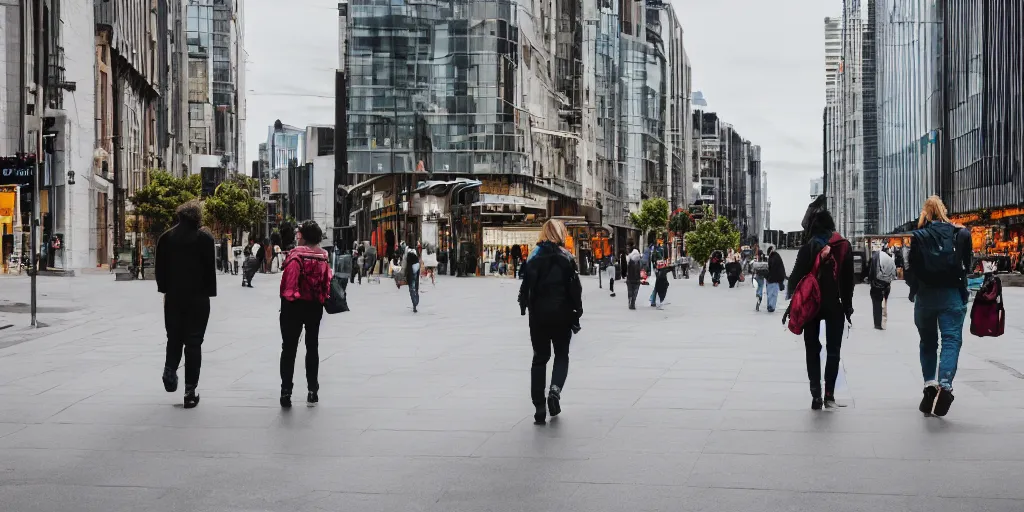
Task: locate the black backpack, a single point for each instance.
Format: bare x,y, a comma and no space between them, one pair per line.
941,261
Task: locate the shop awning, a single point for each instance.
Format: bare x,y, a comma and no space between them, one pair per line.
437,187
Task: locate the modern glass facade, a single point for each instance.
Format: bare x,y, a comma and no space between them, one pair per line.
607,102
985,104
432,86
909,99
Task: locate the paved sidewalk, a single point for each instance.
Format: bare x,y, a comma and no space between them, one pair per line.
703,406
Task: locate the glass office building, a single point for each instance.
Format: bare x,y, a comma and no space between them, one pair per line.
985,115
909,96
432,88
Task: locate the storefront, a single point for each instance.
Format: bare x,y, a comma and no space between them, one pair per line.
996,235
15,209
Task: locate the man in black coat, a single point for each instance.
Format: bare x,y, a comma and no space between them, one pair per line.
776,278
186,275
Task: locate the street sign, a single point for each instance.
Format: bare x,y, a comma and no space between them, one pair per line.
17,170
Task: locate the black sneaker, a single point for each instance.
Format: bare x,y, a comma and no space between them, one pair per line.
170,380
816,404
613,294
928,402
541,414
943,401
312,399
286,399
191,398
554,396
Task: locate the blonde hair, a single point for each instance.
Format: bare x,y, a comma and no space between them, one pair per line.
933,210
553,231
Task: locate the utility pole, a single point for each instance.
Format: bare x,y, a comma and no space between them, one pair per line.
38,118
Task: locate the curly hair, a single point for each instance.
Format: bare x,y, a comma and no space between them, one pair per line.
190,212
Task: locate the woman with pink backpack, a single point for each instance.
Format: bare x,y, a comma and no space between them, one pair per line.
305,286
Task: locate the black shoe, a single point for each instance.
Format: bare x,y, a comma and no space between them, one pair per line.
553,398
191,397
541,414
816,404
943,402
613,294
830,402
312,399
170,380
414,310
928,402
286,399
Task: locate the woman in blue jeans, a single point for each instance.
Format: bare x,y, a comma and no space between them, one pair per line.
940,255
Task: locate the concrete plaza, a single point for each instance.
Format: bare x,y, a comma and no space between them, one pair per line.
700,407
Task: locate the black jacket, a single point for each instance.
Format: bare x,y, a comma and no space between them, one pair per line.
839,298
957,280
776,269
185,265
551,288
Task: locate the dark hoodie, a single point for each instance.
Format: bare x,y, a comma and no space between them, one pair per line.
835,296
551,288
185,265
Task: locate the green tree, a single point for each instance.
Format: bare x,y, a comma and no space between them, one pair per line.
711,233
653,215
680,223
233,205
165,192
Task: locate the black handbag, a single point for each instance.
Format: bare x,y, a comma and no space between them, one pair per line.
336,302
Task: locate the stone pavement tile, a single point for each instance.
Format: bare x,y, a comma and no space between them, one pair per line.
538,444
631,497
860,475
650,440
484,420
50,497
944,445
212,414
696,399
687,363
716,500
823,444
632,468
695,419
364,502
10,428
668,387
506,492
226,500
694,374
417,443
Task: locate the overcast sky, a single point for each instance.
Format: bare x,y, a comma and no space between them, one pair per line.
760,65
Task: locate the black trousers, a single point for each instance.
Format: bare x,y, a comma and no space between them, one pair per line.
296,315
544,337
249,270
878,295
633,290
833,344
185,320
611,282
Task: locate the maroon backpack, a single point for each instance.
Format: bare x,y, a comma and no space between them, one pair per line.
806,302
988,318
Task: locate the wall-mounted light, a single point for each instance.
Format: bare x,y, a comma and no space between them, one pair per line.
71,177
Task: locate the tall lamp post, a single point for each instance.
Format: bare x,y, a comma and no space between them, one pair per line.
278,127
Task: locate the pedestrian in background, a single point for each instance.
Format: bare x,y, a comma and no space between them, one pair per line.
881,273
776,280
733,268
411,268
716,266
940,256
305,285
634,266
552,293
759,271
225,256
186,275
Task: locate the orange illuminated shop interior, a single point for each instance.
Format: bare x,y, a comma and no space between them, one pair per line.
8,203
996,236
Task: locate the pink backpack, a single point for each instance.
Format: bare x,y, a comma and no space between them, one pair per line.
988,318
806,303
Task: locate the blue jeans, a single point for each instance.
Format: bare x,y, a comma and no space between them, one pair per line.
773,296
940,310
760,285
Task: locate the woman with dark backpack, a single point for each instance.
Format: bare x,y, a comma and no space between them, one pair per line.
305,285
552,293
829,253
940,256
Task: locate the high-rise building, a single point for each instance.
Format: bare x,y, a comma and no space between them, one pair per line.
467,125
833,55
216,67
